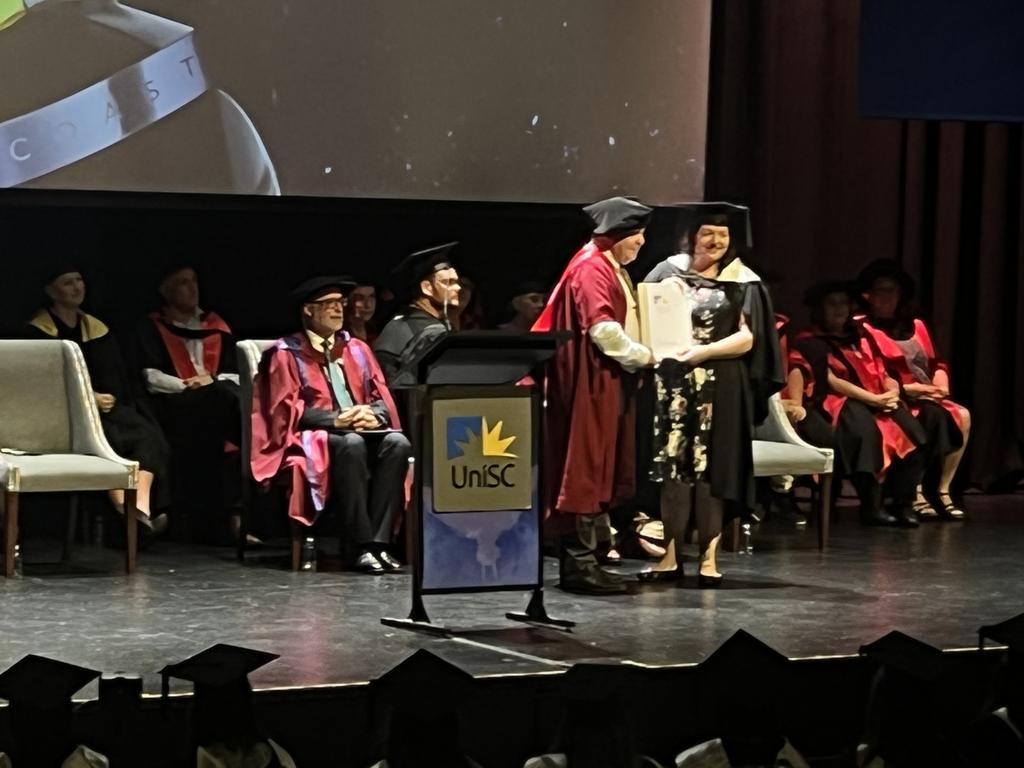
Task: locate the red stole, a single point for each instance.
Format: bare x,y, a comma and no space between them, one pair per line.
178,352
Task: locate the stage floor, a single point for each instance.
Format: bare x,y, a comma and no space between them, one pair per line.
938,583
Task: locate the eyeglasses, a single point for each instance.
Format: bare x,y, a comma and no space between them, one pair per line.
328,303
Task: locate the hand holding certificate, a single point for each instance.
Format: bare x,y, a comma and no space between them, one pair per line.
665,321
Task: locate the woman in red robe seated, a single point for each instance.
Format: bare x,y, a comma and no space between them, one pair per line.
906,345
876,438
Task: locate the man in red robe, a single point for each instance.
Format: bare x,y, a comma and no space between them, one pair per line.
323,419
589,419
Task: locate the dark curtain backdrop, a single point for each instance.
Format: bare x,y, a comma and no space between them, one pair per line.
830,191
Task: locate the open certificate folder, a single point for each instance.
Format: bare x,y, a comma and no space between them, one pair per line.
665,323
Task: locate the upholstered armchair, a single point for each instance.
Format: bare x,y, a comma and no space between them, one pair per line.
779,450
51,439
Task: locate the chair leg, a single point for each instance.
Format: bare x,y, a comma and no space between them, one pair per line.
10,531
298,537
131,530
824,511
69,536
736,534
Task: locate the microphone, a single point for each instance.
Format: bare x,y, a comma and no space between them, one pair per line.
447,322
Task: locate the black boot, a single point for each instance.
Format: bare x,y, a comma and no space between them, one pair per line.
870,494
586,577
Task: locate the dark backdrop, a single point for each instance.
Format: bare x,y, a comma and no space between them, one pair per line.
829,192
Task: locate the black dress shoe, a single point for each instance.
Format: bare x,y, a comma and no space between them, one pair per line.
389,562
367,563
876,517
905,517
152,526
588,581
652,576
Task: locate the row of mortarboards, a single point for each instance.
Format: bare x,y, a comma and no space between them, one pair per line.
428,683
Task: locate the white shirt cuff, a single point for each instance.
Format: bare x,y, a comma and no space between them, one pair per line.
612,339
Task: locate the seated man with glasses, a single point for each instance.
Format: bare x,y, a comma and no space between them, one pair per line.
324,420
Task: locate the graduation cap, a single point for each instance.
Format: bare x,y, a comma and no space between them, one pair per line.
817,292
406,277
312,289
890,268
425,683
218,667
690,217
527,287
1009,633
742,658
43,684
906,655
620,216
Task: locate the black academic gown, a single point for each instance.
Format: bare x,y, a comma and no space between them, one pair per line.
402,336
202,425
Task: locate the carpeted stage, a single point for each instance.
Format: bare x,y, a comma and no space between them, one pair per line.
937,583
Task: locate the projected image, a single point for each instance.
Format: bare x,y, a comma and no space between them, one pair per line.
534,100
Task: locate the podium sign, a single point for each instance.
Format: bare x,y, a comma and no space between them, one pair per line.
480,518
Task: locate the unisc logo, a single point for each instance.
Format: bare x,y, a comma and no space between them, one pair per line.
473,452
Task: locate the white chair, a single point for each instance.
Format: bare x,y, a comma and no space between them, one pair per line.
51,439
779,450
249,353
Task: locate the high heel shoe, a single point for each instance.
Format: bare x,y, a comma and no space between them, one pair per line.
705,581
949,510
652,576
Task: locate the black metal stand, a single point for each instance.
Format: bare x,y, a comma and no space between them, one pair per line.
536,613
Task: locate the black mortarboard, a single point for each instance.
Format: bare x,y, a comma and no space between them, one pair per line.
618,216
426,683
315,287
1009,633
905,654
406,277
886,267
43,684
742,658
690,217
217,667
817,292
53,271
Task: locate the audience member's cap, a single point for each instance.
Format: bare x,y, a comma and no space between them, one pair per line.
817,292
218,666
1009,633
312,289
43,684
906,654
691,216
886,267
620,216
426,683
742,659
406,277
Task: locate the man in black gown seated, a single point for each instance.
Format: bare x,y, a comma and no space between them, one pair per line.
187,357
427,284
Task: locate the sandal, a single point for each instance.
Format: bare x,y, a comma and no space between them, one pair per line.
950,511
924,509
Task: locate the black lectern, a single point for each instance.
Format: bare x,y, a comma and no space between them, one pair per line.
476,521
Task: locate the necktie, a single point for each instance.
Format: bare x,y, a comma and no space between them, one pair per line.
337,379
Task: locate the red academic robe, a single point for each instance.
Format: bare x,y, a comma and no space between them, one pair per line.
289,380
588,434
861,364
897,363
